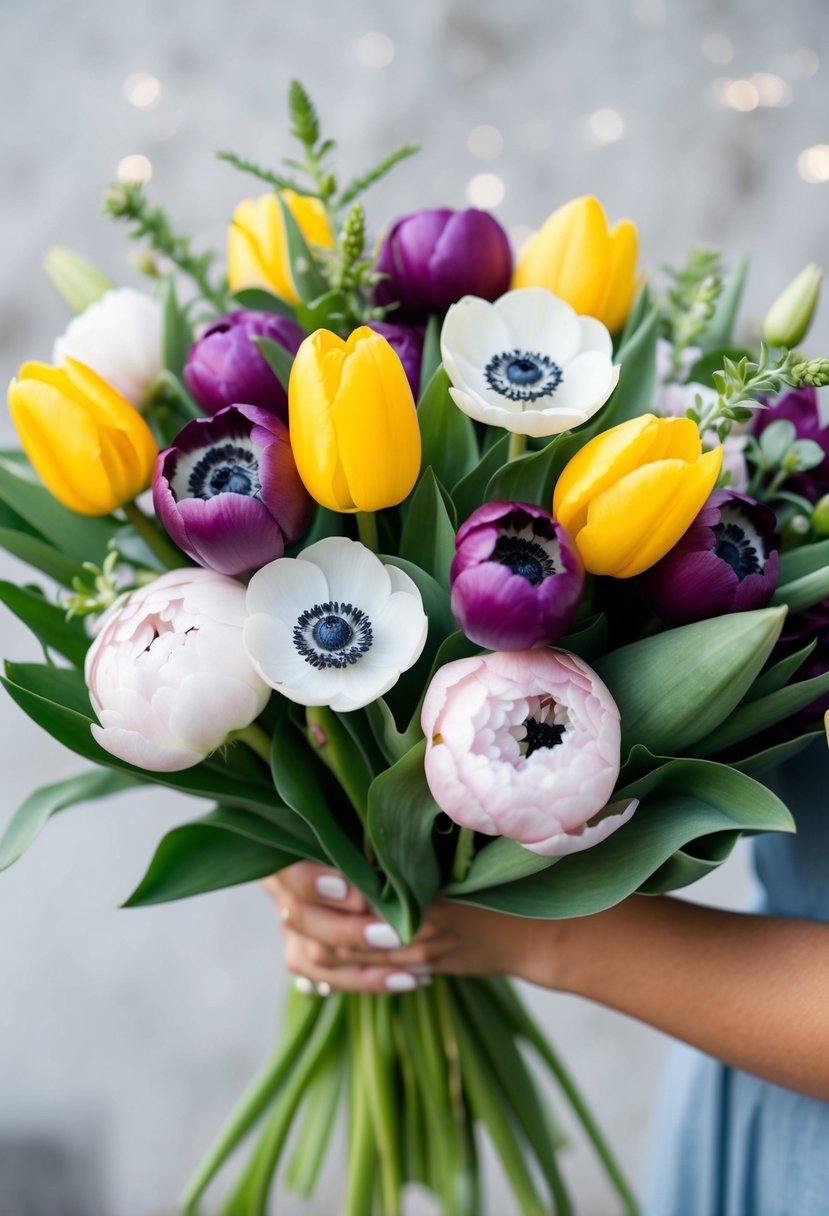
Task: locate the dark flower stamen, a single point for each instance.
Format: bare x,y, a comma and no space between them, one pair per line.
541,735
227,468
734,546
524,557
333,634
523,375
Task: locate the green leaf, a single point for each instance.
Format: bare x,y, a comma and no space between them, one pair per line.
637,379
470,491
63,685
176,331
704,368
588,639
430,361
531,478
683,802
755,716
264,301
720,328
43,556
47,622
222,849
325,523
448,436
401,817
297,777
428,537
806,559
771,757
779,674
642,306
309,280
33,813
278,359
83,537
674,688
805,592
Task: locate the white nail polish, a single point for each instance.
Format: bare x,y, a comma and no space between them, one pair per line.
400,981
304,985
331,886
381,936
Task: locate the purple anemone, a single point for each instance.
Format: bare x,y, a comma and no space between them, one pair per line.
516,577
433,258
225,366
727,561
228,491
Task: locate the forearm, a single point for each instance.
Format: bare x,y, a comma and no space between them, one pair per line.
752,991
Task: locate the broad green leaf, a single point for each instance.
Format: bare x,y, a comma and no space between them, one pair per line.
309,280
83,537
176,331
63,685
278,359
47,622
682,802
222,849
41,555
674,688
342,754
298,781
450,446
751,718
264,301
430,362
588,639
633,394
803,592
721,325
392,742
805,559
770,757
778,675
405,695
401,817
685,868
641,308
531,478
470,491
428,537
33,813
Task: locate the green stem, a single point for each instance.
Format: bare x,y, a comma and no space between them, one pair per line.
376,1050
257,740
464,852
517,445
166,552
361,1148
367,530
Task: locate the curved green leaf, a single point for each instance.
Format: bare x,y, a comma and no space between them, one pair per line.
758,715
278,359
309,280
43,556
450,446
532,477
470,491
428,536
47,622
83,537
264,301
804,592
721,325
177,333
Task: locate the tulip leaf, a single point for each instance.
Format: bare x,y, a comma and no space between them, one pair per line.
39,553
683,803
221,849
278,359
447,434
428,537
779,674
806,559
35,811
637,378
642,305
531,478
47,622
721,326
401,819
588,639
430,360
771,757
309,280
713,662
176,331
298,778
259,300
805,592
83,537
470,491
751,718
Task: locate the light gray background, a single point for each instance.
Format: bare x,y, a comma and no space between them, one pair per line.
125,1036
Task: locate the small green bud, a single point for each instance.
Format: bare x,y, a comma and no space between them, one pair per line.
790,316
78,281
812,372
796,528
820,516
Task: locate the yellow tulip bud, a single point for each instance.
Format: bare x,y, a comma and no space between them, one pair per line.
578,258
87,444
353,421
257,246
629,494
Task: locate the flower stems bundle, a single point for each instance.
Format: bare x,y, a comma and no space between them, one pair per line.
504,585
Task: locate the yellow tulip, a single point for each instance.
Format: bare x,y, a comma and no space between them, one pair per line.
629,494
353,421
257,247
578,258
88,445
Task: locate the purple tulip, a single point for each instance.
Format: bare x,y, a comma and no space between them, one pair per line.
407,343
727,561
228,491
800,407
225,367
516,577
433,258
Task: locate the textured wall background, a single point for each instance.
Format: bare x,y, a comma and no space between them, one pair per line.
125,1036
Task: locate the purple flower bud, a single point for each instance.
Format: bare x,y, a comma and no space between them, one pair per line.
800,407
407,343
727,561
228,491
225,367
433,258
516,577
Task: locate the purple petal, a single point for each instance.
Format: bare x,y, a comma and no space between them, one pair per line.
231,533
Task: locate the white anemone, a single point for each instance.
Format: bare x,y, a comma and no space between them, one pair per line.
528,362
119,337
334,626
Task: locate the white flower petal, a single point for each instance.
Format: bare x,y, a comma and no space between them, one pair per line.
539,322
587,383
286,588
270,645
399,632
474,330
354,574
594,336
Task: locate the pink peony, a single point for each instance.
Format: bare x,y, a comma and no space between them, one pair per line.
168,675
525,745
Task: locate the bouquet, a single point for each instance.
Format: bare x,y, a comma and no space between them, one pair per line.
501,582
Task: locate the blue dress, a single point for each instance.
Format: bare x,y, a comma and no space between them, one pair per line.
726,1143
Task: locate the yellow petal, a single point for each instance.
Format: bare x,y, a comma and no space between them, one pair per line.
586,259
257,249
313,386
676,438
620,281
541,260
311,218
601,462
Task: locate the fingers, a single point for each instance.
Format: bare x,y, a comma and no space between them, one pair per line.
315,884
302,961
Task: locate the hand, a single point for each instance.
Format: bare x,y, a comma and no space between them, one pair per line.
334,938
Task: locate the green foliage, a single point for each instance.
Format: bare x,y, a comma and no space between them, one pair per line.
79,537
47,622
278,359
428,536
450,447
720,329
176,331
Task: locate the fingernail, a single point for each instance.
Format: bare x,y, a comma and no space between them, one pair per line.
420,969
400,981
331,886
381,936
304,985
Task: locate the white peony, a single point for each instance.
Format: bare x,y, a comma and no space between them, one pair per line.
119,337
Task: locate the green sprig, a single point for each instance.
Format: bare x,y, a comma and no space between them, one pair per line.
359,185
689,305
739,385
277,180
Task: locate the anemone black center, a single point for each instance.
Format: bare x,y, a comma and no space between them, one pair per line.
332,633
732,545
523,375
524,557
541,734
226,468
